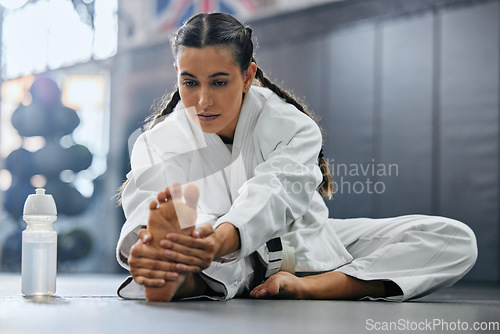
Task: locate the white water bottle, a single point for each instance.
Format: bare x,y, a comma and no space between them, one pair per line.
39,251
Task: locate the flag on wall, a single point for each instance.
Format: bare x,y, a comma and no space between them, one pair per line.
171,14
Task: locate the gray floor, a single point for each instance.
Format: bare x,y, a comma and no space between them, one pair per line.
87,304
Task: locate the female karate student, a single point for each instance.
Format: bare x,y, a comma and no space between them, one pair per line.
253,155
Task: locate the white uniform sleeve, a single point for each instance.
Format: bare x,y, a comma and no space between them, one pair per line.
150,174
135,204
283,185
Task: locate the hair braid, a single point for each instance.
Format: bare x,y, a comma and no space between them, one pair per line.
164,110
326,186
153,120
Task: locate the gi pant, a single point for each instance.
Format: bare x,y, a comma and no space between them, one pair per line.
421,254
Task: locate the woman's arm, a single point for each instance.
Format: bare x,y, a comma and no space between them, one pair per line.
279,192
152,168
281,188
228,238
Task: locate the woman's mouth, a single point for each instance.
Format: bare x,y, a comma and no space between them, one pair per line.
205,117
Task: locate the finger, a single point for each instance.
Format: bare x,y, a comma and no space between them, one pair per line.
183,268
149,282
203,231
191,195
154,274
179,248
141,250
149,264
201,262
189,241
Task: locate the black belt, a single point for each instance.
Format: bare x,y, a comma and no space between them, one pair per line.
275,250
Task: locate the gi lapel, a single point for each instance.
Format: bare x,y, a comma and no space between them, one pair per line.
243,153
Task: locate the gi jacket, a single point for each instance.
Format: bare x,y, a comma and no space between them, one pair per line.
265,184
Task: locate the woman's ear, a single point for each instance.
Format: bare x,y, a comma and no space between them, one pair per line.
249,76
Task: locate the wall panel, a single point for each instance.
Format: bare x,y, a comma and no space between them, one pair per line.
297,67
349,122
406,134
470,126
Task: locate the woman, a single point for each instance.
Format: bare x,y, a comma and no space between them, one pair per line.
254,158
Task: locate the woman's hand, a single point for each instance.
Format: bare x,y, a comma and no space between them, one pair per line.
149,266
192,253
196,252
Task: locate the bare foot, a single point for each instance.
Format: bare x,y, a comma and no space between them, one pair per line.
171,214
329,285
280,285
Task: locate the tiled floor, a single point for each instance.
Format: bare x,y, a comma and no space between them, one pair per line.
88,304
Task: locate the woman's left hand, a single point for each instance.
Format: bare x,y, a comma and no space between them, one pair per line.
192,253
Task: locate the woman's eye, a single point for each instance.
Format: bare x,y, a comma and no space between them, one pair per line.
189,83
220,83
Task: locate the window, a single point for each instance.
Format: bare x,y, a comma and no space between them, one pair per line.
59,44
50,34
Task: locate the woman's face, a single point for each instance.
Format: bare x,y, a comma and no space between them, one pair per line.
210,80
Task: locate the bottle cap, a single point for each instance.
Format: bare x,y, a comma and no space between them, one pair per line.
40,204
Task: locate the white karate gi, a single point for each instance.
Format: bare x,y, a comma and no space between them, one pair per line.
266,187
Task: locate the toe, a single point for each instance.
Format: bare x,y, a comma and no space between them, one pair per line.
168,193
162,197
176,190
153,205
191,195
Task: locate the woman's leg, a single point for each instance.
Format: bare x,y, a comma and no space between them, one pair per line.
397,258
419,253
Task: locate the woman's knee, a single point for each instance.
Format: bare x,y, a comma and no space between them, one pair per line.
462,238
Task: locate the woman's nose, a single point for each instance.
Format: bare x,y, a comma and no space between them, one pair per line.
205,99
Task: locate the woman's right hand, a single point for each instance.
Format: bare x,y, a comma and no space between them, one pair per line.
149,266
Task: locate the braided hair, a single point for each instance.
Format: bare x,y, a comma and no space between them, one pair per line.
219,29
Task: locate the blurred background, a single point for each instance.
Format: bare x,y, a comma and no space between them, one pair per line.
406,91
